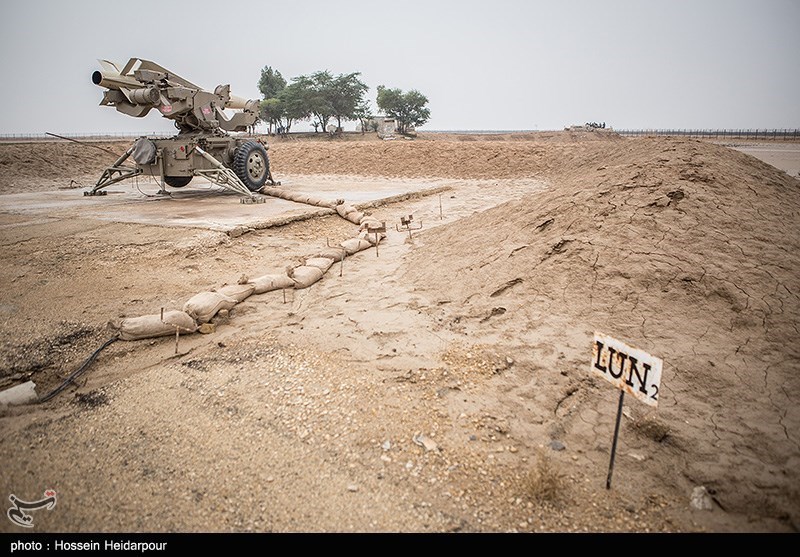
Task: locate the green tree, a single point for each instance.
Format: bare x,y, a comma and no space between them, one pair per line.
347,97
315,91
364,114
271,83
271,111
293,105
407,108
326,97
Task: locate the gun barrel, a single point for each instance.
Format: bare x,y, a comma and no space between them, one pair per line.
236,102
113,80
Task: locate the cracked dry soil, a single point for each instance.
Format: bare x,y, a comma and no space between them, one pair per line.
423,390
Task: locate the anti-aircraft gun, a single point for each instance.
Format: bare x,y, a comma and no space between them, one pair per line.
202,146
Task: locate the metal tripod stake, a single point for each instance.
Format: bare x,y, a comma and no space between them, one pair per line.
405,224
377,230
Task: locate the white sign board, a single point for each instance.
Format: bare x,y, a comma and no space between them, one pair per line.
635,372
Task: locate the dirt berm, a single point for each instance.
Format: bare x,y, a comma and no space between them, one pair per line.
688,250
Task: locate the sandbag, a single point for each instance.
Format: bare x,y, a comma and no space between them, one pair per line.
268,283
368,222
333,253
151,326
354,245
370,237
283,194
343,209
24,393
319,202
355,217
205,305
238,292
297,197
321,263
305,275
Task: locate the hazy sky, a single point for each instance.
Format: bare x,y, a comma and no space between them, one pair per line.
485,64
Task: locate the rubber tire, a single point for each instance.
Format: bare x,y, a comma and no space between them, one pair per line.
245,161
177,181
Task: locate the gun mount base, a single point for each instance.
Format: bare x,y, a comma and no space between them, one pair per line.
114,173
240,165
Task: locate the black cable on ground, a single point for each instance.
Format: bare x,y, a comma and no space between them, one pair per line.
78,372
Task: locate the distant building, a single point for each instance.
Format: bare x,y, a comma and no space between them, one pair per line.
386,126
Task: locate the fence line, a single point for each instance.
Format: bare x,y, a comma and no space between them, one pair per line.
768,134
86,136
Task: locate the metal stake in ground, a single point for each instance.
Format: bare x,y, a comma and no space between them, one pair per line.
344,254
377,230
177,329
614,443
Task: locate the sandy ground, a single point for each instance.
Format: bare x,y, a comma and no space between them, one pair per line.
443,385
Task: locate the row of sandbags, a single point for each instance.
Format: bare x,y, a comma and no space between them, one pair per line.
345,210
202,307
298,197
357,217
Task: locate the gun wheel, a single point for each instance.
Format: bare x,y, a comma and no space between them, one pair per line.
177,181
251,165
